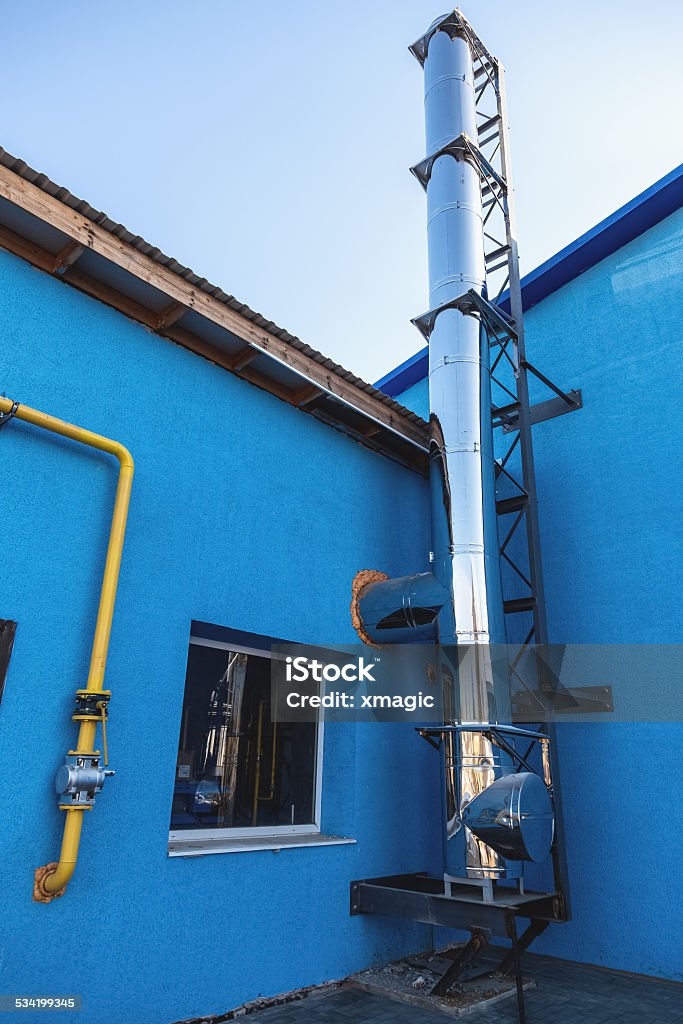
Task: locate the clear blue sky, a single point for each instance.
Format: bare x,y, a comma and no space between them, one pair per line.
267,144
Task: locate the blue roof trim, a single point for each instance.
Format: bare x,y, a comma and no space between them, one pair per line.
404,376
647,209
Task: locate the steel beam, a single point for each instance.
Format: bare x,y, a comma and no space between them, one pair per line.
428,908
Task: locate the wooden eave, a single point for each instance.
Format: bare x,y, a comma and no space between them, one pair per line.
48,232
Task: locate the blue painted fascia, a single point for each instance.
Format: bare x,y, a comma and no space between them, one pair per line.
621,227
404,376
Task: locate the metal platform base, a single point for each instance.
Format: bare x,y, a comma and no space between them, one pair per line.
464,907
421,897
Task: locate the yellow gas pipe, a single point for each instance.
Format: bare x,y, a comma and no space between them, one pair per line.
51,880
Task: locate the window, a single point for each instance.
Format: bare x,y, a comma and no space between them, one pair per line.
238,774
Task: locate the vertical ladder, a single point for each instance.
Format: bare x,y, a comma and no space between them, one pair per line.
518,507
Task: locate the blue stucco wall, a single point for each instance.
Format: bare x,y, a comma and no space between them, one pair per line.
245,513
610,510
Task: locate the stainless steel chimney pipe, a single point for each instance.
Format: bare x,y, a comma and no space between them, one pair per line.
462,445
459,380
459,603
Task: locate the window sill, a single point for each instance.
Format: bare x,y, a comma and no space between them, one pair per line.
200,847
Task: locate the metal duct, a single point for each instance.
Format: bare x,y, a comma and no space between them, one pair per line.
514,815
460,602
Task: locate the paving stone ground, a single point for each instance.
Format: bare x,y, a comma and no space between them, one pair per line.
566,993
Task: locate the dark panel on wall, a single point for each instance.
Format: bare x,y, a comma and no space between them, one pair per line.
7,630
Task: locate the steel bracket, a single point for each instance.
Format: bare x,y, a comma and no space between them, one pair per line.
461,148
570,700
478,941
5,417
507,416
454,24
469,304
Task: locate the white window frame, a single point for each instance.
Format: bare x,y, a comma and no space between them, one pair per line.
259,831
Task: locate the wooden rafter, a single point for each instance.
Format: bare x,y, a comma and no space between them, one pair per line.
67,257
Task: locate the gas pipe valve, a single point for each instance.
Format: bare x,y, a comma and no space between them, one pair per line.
79,779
